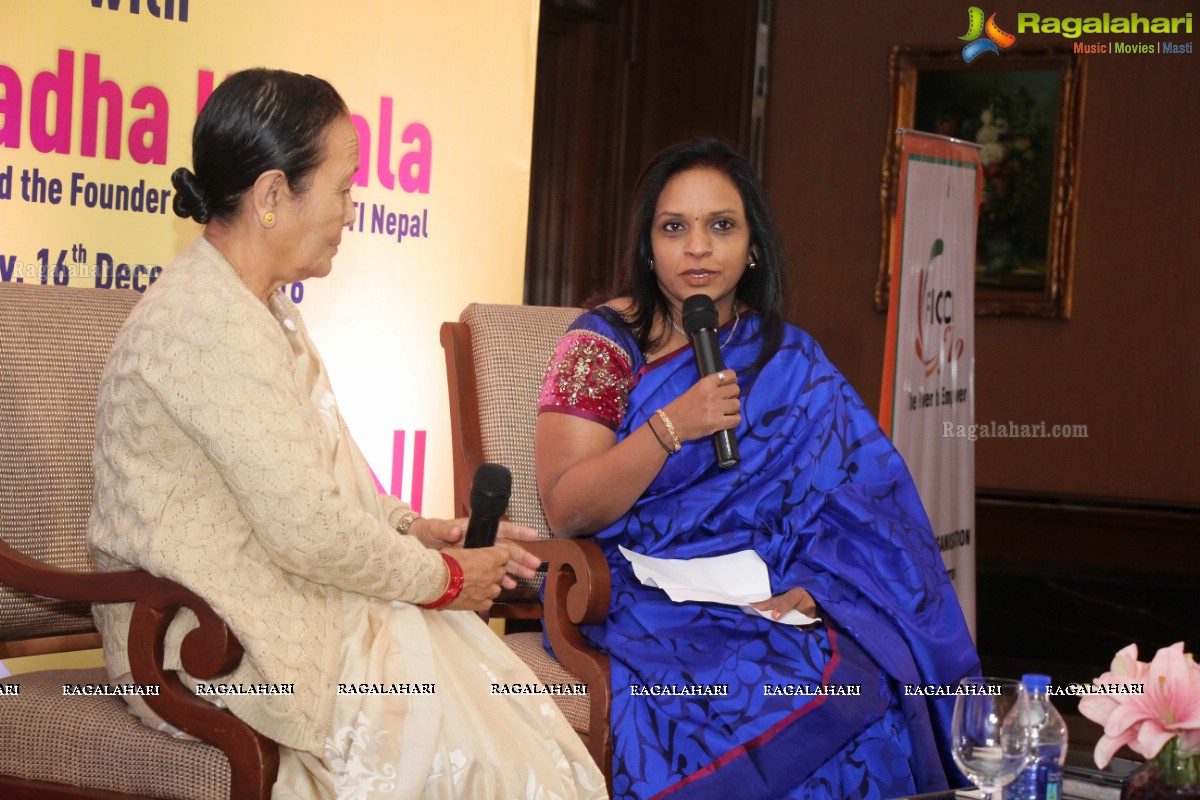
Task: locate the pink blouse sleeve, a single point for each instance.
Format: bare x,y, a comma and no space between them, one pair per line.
589,376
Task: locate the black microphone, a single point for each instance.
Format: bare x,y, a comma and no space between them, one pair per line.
490,489
700,319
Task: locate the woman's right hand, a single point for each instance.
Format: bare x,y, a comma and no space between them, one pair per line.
711,405
574,455
486,571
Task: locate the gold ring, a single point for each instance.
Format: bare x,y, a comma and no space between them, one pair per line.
720,378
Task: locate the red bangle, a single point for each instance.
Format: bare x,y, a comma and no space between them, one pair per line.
453,587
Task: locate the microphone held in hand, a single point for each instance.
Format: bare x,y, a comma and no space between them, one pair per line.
490,489
700,319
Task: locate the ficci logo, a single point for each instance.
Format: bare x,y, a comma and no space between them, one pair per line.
996,40
936,344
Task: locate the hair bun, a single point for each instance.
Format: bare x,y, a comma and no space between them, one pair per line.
190,198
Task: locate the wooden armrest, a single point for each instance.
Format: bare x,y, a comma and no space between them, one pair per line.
29,575
208,651
578,569
578,589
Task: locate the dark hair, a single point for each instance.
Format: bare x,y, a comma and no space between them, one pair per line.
761,289
256,120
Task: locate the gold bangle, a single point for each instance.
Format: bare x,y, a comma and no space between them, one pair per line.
670,429
661,443
406,521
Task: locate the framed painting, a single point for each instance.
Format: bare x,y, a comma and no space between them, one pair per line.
1024,110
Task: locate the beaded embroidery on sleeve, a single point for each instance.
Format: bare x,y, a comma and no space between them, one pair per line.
589,376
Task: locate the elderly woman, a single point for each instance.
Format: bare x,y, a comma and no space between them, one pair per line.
222,463
710,701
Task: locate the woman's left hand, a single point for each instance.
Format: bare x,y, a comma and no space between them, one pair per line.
439,533
793,599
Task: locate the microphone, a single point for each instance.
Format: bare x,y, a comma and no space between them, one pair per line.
700,321
490,489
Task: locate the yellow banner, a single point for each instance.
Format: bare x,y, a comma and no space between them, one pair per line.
97,103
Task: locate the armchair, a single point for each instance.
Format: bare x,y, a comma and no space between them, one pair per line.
53,345
496,357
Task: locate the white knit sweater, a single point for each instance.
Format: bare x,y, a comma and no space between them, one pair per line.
214,468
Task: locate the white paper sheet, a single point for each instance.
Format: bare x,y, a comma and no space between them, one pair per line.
737,579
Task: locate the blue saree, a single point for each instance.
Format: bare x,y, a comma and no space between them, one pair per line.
710,702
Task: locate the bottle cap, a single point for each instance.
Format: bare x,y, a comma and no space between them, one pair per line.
1036,683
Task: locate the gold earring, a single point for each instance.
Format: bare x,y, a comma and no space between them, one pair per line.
269,218
750,262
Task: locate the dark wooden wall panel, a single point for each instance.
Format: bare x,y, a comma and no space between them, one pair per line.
618,80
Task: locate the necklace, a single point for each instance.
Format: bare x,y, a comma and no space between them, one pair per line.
736,319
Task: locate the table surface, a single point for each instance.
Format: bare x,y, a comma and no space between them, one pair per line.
1081,781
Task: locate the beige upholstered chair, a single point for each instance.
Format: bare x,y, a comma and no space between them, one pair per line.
53,345
496,357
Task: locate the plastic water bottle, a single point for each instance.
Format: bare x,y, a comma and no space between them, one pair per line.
1042,779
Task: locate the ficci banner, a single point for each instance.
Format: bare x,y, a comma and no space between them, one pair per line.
97,103
929,362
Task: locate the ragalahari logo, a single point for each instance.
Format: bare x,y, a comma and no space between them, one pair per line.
996,40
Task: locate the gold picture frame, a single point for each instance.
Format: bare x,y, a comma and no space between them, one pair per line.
1025,109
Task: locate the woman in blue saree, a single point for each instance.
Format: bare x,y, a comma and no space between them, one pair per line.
709,701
